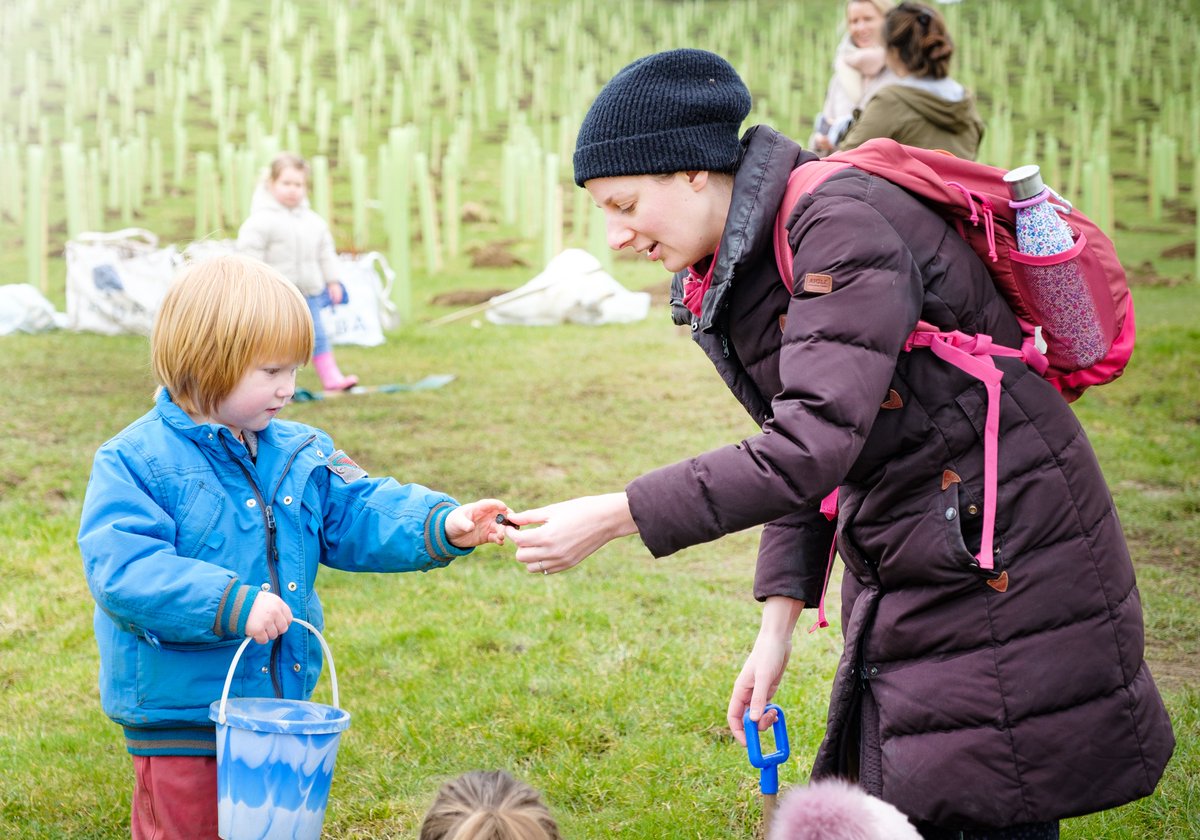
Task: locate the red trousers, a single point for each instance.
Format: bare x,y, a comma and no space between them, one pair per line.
174,798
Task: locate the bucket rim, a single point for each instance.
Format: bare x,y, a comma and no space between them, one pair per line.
236,718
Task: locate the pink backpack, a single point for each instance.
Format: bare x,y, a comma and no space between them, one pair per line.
975,199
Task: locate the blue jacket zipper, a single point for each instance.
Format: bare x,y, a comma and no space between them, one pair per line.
268,516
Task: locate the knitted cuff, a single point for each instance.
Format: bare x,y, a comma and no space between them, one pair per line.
234,610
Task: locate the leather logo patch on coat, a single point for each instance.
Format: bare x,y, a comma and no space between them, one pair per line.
949,477
893,400
343,466
1000,584
818,284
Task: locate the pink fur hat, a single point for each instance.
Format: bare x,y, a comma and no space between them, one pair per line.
832,809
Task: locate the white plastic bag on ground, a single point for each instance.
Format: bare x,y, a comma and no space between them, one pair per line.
369,309
116,281
573,288
24,309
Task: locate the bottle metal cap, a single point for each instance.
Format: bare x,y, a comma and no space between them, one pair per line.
1025,182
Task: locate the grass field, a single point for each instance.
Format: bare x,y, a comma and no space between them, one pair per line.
604,687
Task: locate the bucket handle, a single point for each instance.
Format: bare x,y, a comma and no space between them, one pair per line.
249,639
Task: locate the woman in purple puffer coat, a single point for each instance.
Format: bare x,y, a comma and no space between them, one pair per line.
982,702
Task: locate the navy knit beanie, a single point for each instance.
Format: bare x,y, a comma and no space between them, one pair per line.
668,112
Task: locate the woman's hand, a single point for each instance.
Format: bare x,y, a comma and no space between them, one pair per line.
570,531
335,293
475,524
763,671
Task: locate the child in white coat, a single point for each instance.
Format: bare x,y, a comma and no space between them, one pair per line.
287,234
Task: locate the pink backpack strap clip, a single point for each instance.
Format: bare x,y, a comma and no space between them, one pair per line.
973,354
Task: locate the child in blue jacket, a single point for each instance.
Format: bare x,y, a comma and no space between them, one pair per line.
205,521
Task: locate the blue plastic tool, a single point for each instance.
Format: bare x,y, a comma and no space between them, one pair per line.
768,765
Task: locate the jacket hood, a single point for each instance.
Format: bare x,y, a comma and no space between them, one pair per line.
954,115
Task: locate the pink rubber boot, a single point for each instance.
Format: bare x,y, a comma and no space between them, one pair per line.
331,378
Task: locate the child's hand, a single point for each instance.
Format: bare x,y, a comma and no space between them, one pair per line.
269,618
475,524
335,293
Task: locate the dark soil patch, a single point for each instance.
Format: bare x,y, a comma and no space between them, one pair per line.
1182,251
1171,652
466,297
1146,275
473,212
1181,211
495,255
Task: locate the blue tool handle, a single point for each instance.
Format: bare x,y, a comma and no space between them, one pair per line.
768,765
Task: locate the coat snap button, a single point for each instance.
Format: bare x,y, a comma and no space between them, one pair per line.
973,509
296,667
950,514
292,586
874,671
287,500
266,587
264,669
251,503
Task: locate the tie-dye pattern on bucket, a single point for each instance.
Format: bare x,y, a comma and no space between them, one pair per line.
275,761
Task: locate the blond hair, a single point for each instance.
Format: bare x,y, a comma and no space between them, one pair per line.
288,160
221,317
488,805
884,6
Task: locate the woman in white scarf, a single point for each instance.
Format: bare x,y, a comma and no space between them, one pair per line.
858,70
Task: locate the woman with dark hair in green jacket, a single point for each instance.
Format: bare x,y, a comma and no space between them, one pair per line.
923,106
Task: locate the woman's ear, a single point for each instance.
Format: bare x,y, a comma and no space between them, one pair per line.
698,179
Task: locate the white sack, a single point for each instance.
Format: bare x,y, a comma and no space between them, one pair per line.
24,309
116,281
369,309
573,288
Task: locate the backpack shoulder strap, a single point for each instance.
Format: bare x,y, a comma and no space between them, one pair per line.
804,179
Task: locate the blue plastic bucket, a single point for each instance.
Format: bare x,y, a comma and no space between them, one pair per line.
275,760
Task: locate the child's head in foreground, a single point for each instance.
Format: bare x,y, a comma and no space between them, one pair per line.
221,318
488,805
832,809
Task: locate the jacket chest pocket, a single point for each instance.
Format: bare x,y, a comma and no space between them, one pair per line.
197,520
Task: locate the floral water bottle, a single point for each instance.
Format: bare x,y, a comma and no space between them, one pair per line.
1060,294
